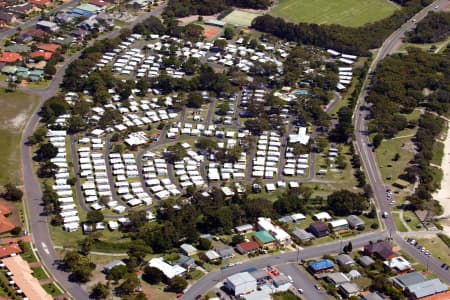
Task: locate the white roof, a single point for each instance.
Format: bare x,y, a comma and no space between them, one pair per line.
322,216
337,223
168,270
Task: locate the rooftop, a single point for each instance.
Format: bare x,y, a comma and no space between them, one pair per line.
321,264
264,236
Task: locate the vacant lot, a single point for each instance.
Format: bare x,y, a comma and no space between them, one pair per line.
16,110
240,18
351,13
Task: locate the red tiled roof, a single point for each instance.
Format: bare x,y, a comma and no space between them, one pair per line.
10,57
248,246
43,54
4,210
5,225
7,250
441,296
39,33
99,3
40,2
49,47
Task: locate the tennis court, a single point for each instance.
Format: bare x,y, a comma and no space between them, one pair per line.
211,32
240,18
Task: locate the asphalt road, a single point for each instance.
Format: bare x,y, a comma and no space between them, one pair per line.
33,21
277,260
368,157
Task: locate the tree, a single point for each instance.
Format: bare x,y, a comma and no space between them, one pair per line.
176,152
128,286
38,135
204,244
12,193
195,100
117,273
110,117
178,284
345,202
377,139
47,169
206,144
46,152
237,239
152,275
220,44
95,216
100,291
228,33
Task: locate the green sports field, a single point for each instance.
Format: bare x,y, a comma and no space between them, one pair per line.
240,18
352,13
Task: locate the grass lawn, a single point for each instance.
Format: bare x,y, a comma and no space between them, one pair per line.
39,273
16,110
412,221
386,152
51,289
351,13
437,247
398,222
28,255
240,18
39,84
284,296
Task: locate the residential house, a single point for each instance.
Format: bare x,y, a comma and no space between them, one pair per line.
426,288
47,26
398,264
322,216
338,225
366,261
187,262
65,18
225,252
138,4
17,48
41,55
355,222
99,3
23,9
345,260
188,249
7,17
211,256
246,228
319,229
337,278
372,296
265,240
10,57
22,72
41,3
9,70
321,266
168,270
302,235
403,281
381,249
241,283
349,289
8,250
31,34
282,238
36,75
48,47
247,247
353,274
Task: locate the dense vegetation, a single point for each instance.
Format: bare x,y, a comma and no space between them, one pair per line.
183,8
401,84
433,28
346,39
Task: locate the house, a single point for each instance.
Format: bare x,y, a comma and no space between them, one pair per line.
409,279
349,289
353,274
23,9
345,260
211,256
48,47
168,270
36,75
9,70
41,55
138,3
372,296
10,57
186,262
18,48
426,288
366,261
321,266
99,3
302,235
225,252
319,229
5,224
41,3
8,250
398,264
47,26
282,237
355,222
246,228
247,247
381,249
322,216
7,17
188,249
21,274
338,225
265,240
241,283
337,278
107,268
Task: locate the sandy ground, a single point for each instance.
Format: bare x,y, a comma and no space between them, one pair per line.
443,195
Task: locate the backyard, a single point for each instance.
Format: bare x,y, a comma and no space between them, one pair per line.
352,13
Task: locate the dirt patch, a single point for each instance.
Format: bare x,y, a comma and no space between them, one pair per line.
14,217
190,19
409,146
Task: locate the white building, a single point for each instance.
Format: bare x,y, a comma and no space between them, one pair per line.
241,283
168,270
282,237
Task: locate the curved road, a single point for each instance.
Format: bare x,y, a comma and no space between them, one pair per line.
38,222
